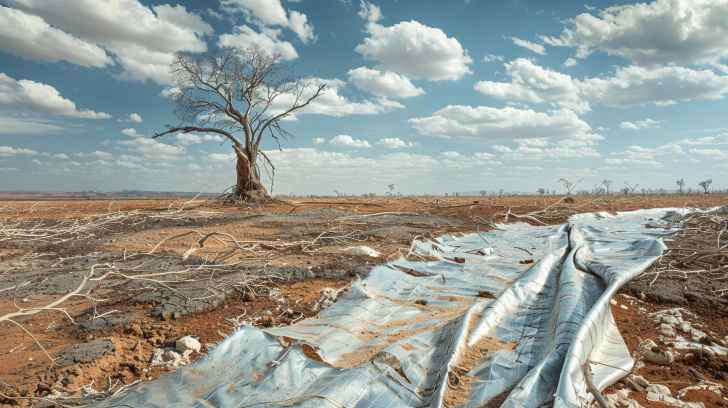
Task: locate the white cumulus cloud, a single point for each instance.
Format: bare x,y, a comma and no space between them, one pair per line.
640,124
627,86
383,83
332,102
682,32
348,141
508,122
143,39
415,50
36,97
9,151
529,45
267,42
394,143
271,13
32,37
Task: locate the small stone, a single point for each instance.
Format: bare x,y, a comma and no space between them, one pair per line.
623,307
659,389
667,330
640,380
671,320
187,343
697,334
654,354
363,250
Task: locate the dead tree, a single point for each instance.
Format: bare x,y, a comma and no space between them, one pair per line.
629,188
607,184
705,184
390,187
242,96
680,185
569,185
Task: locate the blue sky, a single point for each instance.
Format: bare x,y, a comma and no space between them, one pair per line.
431,96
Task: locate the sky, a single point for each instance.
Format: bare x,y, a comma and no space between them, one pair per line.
428,95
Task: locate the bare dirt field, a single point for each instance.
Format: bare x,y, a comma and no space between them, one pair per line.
148,272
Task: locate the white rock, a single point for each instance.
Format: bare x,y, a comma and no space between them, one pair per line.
697,334
640,380
652,353
685,327
667,330
613,302
659,389
187,343
621,399
168,358
363,250
624,307
668,319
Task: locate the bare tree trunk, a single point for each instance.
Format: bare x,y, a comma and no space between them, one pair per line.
248,186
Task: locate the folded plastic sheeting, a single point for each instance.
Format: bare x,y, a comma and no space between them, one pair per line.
509,317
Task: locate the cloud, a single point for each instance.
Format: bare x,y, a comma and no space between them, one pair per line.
271,13
170,92
710,153
640,86
534,149
640,156
142,39
151,149
190,139
386,84
640,124
720,139
369,12
9,151
98,154
492,58
348,141
221,157
25,95
682,32
508,122
532,83
627,86
29,36
415,50
394,143
131,132
135,118
333,103
154,150
267,42
570,62
27,126
531,46
318,140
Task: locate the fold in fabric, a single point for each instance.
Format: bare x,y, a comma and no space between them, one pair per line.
515,323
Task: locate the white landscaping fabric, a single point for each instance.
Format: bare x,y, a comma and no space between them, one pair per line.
394,338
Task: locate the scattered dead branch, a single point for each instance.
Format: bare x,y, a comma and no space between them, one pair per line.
56,232
700,246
